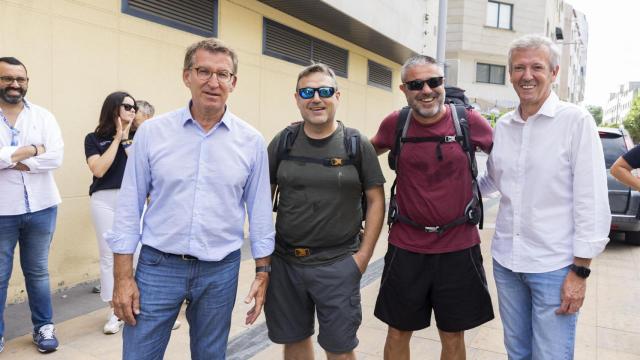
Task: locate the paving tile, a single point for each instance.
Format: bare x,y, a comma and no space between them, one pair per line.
617,340
605,354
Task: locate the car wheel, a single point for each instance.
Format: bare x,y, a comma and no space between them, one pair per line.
632,237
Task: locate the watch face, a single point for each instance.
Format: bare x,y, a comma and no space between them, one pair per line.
581,271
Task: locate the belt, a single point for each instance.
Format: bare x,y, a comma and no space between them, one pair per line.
181,256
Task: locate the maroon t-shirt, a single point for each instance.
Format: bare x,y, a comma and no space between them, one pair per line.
433,192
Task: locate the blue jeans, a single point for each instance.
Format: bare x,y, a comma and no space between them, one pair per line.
33,231
528,302
165,281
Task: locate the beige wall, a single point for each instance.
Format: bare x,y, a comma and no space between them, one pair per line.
78,51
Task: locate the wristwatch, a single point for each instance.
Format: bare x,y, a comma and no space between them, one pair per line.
581,271
265,268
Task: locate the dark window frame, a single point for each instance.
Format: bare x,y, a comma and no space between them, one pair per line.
497,25
311,56
129,10
504,75
376,84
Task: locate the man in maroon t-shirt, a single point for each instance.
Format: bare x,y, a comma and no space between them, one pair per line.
427,271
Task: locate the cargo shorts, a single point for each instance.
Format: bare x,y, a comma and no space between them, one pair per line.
297,292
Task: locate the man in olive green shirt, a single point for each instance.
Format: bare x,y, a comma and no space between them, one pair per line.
321,252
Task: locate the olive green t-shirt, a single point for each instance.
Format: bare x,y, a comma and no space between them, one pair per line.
320,206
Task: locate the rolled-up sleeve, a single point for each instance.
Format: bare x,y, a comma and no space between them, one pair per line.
52,158
592,216
257,196
123,238
5,156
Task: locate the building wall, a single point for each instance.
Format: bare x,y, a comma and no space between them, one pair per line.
619,103
78,51
412,24
471,41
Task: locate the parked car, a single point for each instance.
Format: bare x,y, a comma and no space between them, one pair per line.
623,201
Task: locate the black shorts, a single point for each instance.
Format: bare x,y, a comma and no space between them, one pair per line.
453,285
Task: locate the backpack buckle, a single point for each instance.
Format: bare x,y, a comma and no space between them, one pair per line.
335,162
432,229
449,139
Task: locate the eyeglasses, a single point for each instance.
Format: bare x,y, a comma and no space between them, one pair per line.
309,92
128,107
204,74
6,80
417,85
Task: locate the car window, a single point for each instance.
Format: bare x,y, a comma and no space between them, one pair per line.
613,147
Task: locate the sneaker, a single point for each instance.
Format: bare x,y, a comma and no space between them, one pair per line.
1,344
113,324
96,289
45,339
176,325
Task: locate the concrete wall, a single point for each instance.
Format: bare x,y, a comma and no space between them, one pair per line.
78,51
401,20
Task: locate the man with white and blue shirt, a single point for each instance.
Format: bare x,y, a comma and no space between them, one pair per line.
31,148
548,165
203,169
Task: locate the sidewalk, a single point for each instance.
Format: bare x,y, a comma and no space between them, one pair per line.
608,328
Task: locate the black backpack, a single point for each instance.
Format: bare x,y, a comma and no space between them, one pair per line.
459,104
351,145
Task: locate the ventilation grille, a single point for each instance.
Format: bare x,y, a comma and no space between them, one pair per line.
291,45
196,16
379,75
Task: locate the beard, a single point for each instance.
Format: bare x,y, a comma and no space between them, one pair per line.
418,107
12,99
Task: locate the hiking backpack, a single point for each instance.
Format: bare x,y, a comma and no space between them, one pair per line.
351,141
473,213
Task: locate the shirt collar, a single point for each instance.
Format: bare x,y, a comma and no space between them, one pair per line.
227,119
548,108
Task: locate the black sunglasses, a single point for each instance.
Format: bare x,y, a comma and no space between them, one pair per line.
417,85
309,92
128,107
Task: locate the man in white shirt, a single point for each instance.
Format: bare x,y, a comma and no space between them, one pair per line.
554,217
31,148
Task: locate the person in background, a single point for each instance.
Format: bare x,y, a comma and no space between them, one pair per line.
145,112
106,152
31,148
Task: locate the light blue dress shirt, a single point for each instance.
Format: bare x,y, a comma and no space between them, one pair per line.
200,184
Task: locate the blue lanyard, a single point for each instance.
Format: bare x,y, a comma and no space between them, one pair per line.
14,131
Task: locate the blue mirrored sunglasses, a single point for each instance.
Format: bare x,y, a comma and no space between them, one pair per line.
309,92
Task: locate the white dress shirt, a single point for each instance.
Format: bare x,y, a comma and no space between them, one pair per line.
550,172
35,125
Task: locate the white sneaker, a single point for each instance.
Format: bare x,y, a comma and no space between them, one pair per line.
176,325
113,324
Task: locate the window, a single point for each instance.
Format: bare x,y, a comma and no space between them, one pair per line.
490,74
291,45
499,15
195,16
379,75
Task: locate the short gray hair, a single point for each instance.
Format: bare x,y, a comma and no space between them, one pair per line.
145,107
536,41
211,45
317,68
416,60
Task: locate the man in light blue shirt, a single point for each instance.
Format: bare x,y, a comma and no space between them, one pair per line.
203,168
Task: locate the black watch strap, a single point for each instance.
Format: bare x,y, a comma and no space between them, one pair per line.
265,268
581,271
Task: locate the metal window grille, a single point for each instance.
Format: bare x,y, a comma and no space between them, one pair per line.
285,43
379,75
195,16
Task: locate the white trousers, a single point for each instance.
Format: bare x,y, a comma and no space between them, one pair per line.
103,206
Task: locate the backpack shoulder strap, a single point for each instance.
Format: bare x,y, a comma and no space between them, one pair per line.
285,143
461,124
401,130
352,147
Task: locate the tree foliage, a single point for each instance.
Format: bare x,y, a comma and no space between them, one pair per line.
632,121
596,112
